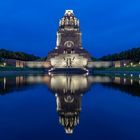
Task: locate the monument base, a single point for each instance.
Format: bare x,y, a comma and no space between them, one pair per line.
68,71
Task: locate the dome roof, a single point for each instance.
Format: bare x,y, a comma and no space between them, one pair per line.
69,20
69,13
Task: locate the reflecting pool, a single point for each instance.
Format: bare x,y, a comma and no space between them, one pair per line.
59,106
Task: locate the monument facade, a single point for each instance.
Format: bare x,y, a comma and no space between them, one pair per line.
69,52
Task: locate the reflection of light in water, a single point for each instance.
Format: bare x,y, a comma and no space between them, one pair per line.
131,75
68,99
38,79
99,79
19,80
4,82
131,81
71,83
124,80
30,79
46,79
117,80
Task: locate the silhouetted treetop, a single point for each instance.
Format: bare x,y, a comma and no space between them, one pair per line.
131,54
17,55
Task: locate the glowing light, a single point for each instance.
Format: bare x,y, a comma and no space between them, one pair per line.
131,81
4,82
124,80
4,64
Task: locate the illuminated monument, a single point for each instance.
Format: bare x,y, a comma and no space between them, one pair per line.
69,52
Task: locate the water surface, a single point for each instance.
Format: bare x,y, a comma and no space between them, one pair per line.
40,107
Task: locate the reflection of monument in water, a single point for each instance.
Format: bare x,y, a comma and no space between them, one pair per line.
68,107
68,92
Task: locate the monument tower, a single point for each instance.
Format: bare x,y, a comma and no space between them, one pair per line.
69,52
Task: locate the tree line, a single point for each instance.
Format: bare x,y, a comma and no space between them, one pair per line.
131,54
17,55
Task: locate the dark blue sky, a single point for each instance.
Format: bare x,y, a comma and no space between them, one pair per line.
108,26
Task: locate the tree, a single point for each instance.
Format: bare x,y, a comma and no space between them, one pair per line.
17,55
131,54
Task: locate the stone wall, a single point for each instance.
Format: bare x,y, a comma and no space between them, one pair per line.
37,64
100,64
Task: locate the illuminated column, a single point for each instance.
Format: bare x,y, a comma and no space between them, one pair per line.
58,41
